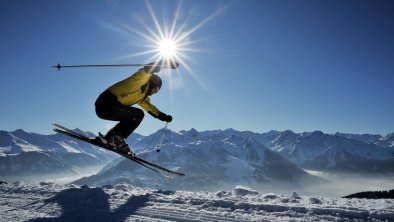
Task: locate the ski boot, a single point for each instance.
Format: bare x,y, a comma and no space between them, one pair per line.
117,142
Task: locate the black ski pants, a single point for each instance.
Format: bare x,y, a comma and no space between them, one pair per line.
109,108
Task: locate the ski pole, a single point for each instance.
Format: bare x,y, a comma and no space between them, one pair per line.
112,65
162,137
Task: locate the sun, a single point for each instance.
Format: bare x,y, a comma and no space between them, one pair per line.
167,48
168,39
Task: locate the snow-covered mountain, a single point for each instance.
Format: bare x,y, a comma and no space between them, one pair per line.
235,155
122,202
339,152
315,150
213,158
382,141
31,156
365,138
364,153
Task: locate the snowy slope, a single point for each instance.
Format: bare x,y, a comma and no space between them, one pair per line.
10,144
356,157
33,164
13,143
386,141
51,202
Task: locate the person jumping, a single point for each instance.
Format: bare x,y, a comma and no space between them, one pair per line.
116,103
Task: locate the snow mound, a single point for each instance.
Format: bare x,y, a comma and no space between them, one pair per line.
295,195
46,183
314,200
123,186
222,193
243,191
271,196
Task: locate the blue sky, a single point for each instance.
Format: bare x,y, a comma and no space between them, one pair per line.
256,65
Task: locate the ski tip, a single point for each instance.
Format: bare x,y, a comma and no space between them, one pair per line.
181,174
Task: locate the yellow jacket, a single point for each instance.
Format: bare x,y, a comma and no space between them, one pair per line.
133,90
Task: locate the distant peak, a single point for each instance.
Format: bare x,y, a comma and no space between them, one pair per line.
288,132
191,131
314,133
231,130
19,131
389,136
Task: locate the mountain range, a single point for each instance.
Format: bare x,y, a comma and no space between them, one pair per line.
221,158
210,159
313,150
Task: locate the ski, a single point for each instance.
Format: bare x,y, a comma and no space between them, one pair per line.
95,141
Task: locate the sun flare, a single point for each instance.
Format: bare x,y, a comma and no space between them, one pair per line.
168,39
167,48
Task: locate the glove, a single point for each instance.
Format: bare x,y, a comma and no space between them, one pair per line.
174,65
164,117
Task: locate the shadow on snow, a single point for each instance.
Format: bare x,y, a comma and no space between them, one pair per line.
91,204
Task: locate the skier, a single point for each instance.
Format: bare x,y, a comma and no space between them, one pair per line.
116,103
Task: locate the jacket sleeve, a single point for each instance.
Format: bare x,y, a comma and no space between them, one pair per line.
149,107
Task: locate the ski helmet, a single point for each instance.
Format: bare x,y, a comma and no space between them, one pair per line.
155,81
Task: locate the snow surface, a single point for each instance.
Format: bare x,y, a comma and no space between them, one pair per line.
69,148
122,202
24,145
238,170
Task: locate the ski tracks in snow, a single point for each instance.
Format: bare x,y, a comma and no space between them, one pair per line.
51,202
